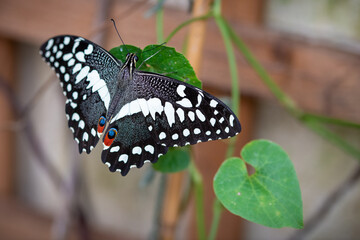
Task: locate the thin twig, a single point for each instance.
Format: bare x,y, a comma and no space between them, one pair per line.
29,134
155,229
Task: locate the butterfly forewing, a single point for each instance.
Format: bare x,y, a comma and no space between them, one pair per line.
86,72
141,114
179,114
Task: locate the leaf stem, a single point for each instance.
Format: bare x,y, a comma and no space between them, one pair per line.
314,122
160,25
199,199
335,121
283,98
332,137
217,210
191,20
235,93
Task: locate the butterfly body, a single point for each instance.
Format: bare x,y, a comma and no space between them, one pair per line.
139,113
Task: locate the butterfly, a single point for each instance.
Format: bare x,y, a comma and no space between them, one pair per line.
141,114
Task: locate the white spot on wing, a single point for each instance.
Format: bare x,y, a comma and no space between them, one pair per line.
180,90
77,67
115,149
75,95
170,113
186,132
93,132
162,135
85,136
175,136
149,149
49,44
191,115
180,114
81,124
197,131
66,77
67,56
124,111
136,150
94,78
80,56
212,121
200,115
134,107
89,49
231,120
82,74
66,40
58,54
71,62
199,99
185,103
123,158
155,106
144,107
213,103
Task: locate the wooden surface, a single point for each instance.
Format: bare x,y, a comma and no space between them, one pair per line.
7,128
322,80
196,39
18,222
209,157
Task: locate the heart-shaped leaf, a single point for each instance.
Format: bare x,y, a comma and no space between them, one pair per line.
271,196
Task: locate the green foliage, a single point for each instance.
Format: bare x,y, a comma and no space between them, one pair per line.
175,160
160,59
271,196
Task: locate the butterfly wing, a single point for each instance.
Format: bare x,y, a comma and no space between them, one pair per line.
86,72
179,114
164,112
132,146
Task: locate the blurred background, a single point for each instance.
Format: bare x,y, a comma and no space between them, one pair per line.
311,49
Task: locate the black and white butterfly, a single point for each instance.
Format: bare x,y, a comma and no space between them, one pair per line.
140,113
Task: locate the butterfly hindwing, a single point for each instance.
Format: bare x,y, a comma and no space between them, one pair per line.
132,146
86,72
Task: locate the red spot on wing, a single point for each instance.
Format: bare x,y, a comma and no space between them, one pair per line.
110,137
101,124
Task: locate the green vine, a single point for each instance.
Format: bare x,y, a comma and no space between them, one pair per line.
314,122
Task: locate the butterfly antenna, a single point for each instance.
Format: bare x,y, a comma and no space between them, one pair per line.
113,21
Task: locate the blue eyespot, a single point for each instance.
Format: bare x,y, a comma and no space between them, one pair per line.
102,121
110,136
101,124
112,133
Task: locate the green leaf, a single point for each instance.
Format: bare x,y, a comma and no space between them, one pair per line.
175,160
160,59
165,60
121,51
271,196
